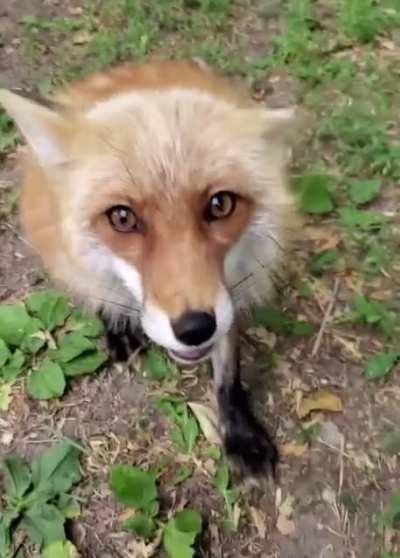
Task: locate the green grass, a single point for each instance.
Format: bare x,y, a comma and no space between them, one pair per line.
119,30
365,20
9,137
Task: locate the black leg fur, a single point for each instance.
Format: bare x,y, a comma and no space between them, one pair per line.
247,442
122,341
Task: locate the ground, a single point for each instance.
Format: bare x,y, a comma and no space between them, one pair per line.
340,61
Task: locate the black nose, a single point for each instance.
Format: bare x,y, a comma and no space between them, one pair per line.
194,328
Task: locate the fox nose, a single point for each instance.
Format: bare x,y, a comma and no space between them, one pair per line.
194,328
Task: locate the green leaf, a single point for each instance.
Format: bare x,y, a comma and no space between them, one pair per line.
302,328
323,261
304,289
86,324
141,525
187,429
380,365
183,473
18,477
85,364
133,487
156,364
281,322
4,353
273,319
5,539
47,382
68,506
5,396
35,338
44,524
56,469
222,481
392,515
71,346
33,342
391,441
14,366
374,313
353,218
180,534
222,477
50,307
14,321
60,549
316,194
364,191
377,258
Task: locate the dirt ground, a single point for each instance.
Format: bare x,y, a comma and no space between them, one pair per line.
337,484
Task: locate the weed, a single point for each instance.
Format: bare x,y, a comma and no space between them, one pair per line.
9,137
364,20
51,340
231,495
185,428
137,489
36,498
380,365
390,518
132,29
362,141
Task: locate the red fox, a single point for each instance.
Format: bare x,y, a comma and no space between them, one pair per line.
157,193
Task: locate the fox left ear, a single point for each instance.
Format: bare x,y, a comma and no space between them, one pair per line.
46,131
283,123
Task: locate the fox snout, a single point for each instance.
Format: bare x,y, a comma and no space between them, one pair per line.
191,335
194,328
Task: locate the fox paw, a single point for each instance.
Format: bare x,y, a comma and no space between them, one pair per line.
248,445
122,340
250,448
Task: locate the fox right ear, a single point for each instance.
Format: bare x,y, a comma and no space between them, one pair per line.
46,131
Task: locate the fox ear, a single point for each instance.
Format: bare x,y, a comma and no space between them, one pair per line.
284,123
46,131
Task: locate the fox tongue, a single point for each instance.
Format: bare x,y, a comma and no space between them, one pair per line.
191,354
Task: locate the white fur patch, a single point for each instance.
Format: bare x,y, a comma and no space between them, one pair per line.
224,312
156,323
157,326
130,277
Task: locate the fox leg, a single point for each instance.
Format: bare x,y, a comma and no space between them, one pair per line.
247,443
122,337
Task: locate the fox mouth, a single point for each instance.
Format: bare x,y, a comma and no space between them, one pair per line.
191,355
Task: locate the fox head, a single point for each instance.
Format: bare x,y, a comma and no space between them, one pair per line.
169,196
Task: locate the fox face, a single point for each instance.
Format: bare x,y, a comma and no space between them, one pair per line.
168,198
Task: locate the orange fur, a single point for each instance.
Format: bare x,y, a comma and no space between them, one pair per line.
159,75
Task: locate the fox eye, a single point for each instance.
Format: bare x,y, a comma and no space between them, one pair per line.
122,219
220,206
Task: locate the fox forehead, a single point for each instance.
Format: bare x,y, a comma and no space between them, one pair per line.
176,138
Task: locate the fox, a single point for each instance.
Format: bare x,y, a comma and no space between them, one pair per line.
156,193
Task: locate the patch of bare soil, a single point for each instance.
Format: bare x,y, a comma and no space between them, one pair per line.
18,68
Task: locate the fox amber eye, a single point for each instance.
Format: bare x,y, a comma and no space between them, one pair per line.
122,219
220,206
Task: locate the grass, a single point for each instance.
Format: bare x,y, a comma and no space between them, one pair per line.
132,29
9,137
